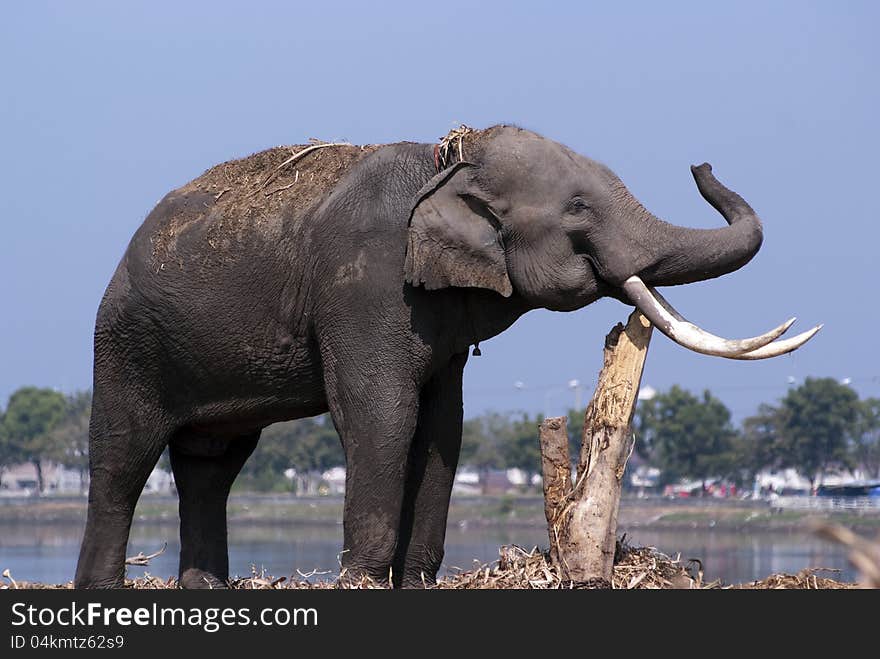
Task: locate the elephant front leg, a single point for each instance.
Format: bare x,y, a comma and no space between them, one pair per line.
375,420
432,465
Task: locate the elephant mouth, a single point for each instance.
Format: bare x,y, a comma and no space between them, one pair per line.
603,285
688,335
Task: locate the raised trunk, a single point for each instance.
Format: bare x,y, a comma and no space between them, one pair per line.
664,254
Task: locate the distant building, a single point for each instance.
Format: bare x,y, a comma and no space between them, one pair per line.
521,478
21,481
159,482
780,481
493,481
334,481
467,481
788,481
644,477
496,481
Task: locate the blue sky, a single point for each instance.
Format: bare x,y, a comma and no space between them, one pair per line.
106,106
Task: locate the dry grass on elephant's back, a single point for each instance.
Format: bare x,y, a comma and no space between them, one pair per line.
261,184
253,193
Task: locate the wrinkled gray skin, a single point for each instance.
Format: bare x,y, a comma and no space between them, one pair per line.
366,308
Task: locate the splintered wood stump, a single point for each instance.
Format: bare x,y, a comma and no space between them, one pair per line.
582,516
556,470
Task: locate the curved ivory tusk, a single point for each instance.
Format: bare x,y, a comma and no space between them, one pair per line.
686,334
767,351
778,347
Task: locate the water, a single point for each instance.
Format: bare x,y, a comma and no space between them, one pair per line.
47,552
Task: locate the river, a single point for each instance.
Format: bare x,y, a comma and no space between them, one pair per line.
46,552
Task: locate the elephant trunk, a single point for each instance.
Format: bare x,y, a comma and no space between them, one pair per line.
666,255
671,255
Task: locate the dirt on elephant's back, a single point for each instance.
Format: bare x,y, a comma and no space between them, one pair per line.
267,180
254,192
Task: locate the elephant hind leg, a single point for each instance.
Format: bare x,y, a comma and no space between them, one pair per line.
126,439
204,471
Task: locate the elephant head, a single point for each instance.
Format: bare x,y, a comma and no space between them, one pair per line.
516,213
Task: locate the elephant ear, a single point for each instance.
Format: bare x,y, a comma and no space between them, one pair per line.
454,239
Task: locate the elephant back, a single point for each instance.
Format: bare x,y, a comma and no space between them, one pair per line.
237,198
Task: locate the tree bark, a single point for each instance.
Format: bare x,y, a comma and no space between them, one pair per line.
38,466
584,522
556,472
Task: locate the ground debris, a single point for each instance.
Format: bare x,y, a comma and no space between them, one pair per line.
634,567
807,579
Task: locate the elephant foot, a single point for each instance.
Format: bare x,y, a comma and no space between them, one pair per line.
596,583
359,578
88,578
355,578
421,582
109,583
195,579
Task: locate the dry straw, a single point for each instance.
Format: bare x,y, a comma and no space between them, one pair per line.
453,142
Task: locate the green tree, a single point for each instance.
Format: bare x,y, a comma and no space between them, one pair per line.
818,419
686,436
306,445
866,447
7,450
520,448
70,438
318,447
761,444
482,440
575,428
31,416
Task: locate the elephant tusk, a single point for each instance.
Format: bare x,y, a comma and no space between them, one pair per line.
778,347
773,349
664,316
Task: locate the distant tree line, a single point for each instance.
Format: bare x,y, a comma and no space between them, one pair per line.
817,427
820,426
43,425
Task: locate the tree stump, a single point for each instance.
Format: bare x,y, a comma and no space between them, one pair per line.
582,516
556,471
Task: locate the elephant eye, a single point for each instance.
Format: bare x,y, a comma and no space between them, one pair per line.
577,205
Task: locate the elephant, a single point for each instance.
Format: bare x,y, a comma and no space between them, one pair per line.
355,280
